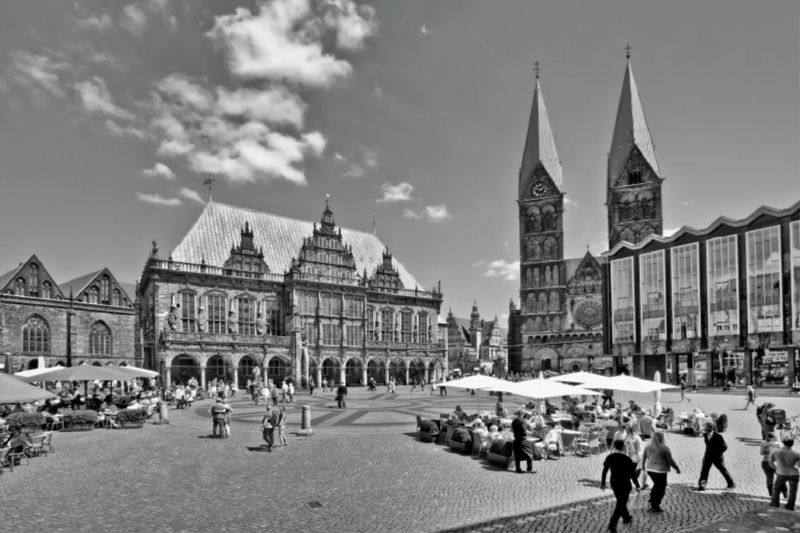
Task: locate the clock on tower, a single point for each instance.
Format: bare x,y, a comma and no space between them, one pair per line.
539,189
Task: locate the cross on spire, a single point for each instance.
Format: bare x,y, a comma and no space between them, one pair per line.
627,49
536,69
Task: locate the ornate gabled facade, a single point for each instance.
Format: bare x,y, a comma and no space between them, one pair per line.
90,319
544,333
473,344
634,180
316,301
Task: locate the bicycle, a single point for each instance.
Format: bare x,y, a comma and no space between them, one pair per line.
789,429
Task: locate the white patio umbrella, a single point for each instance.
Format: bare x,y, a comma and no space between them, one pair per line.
34,372
541,374
136,372
577,377
478,383
546,388
628,383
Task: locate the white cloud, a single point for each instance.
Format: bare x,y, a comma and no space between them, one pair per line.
396,193
437,213
377,91
37,73
95,98
410,213
599,247
424,30
371,158
355,172
101,23
504,316
567,201
479,263
688,203
133,19
282,40
505,244
159,170
121,131
670,232
275,105
339,157
191,195
502,269
157,199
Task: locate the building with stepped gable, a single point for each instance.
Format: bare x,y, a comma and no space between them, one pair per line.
248,293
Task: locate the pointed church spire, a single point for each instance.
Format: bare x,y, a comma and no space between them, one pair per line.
630,128
540,146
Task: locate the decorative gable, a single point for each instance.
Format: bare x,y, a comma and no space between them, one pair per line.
245,258
325,253
587,278
99,288
31,279
386,277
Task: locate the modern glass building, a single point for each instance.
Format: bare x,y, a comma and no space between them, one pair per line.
709,305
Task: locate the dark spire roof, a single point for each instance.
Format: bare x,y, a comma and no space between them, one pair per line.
540,146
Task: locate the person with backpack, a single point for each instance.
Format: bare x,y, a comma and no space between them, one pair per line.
751,396
714,456
683,391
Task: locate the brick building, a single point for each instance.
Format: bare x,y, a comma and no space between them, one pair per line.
247,290
91,318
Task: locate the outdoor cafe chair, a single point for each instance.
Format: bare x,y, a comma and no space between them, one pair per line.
19,455
4,459
568,441
566,424
54,423
47,443
591,444
36,445
585,431
603,438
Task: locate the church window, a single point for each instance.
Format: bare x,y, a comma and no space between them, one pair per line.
556,280
554,305
635,177
94,295
99,340
531,303
535,277
216,313
20,287
542,308
529,278
406,326
537,251
104,290
529,251
47,290
387,325
627,235
529,325
188,312
551,249
35,336
370,323
424,325
33,279
556,324
273,317
247,315
115,298
547,277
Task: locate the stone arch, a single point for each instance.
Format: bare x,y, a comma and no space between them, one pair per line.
550,248
537,250
531,303
529,325
397,370
546,357
245,368
36,336
576,367
376,369
537,325
330,368
556,324
554,305
353,370
529,278
219,366
416,369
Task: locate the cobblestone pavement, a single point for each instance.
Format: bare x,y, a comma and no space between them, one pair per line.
372,476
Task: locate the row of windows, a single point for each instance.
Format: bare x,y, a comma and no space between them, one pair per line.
36,338
536,251
215,315
384,323
550,277
329,304
764,288
542,304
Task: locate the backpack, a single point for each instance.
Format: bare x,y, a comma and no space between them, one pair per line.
722,423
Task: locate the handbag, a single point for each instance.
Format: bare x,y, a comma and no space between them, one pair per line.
639,500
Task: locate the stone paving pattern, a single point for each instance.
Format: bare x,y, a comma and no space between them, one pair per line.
372,476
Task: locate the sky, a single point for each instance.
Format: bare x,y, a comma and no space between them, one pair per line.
114,114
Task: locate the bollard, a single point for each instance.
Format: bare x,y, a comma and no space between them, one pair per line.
163,413
305,423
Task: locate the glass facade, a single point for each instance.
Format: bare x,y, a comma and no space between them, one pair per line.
701,369
686,319
795,273
652,297
723,286
772,368
764,311
622,301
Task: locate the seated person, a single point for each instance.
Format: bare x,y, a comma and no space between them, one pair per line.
459,414
632,407
573,409
494,433
134,404
552,440
501,411
796,386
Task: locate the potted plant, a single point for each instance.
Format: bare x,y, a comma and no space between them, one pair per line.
122,401
25,422
428,431
80,420
501,452
131,418
461,441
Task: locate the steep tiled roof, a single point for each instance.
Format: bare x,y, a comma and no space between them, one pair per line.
5,278
630,129
218,229
540,144
78,284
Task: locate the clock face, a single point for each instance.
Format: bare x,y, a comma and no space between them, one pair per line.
539,189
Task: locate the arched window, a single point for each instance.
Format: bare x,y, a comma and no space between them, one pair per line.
273,317
547,278
20,286
542,308
556,276
94,295
551,249
387,325
529,278
35,336
556,324
635,178
554,304
47,290
33,280
535,277
537,326
247,316
105,290
537,251
100,340
529,251
406,326
422,319
531,303
115,298
188,312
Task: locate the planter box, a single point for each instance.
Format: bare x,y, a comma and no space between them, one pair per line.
79,427
460,446
500,460
427,437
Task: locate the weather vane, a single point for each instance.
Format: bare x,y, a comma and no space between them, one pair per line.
627,49
208,182
536,69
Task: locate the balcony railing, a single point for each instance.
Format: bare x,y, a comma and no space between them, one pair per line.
237,338
321,278
408,292
196,268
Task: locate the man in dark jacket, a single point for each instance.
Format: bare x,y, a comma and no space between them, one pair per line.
623,471
523,450
341,395
715,451
218,414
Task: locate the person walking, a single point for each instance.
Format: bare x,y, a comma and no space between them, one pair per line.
274,393
290,393
634,446
284,391
608,397
523,450
341,396
769,445
751,396
282,417
268,427
715,450
413,385
623,471
785,463
442,388
324,384
218,411
311,387
683,391
657,460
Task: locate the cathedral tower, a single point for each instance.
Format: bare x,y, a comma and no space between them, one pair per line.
541,230
633,196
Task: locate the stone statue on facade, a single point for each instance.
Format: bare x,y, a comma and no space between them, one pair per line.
202,320
261,325
172,316
232,325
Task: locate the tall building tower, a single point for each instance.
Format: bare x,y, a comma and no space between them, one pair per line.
475,326
633,196
541,230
